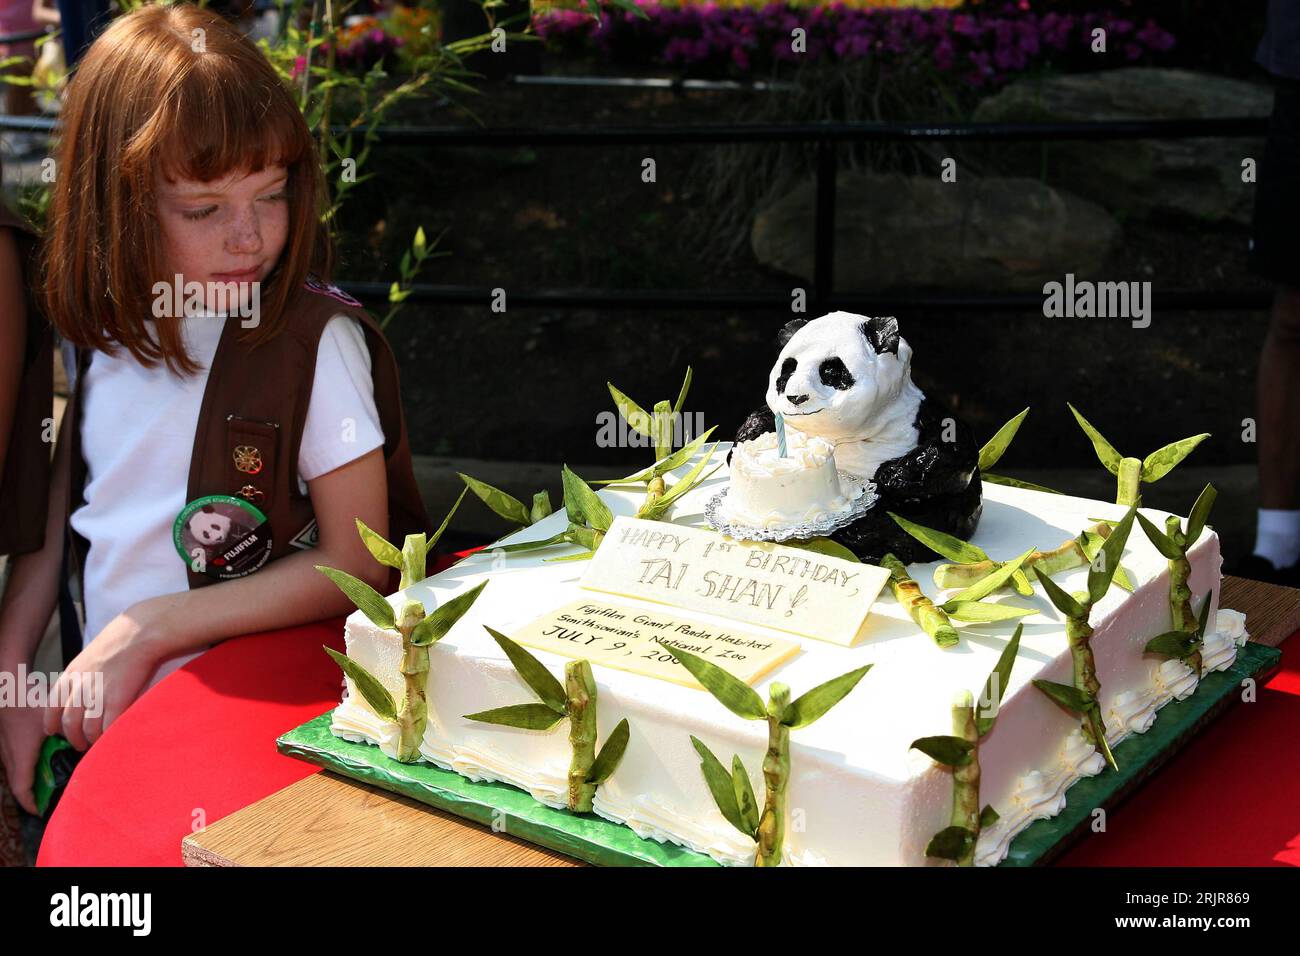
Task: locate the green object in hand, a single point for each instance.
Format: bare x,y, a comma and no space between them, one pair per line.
44,785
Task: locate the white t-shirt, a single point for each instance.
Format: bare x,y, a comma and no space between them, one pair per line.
137,437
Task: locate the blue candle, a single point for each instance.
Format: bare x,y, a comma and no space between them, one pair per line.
780,436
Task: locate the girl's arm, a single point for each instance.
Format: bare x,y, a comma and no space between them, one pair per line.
13,336
284,593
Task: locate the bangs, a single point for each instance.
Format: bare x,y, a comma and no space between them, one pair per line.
247,126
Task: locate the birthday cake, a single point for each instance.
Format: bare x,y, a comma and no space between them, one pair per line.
769,489
961,706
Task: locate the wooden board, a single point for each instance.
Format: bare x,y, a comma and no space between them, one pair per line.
328,820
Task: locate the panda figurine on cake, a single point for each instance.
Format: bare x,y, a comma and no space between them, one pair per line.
847,379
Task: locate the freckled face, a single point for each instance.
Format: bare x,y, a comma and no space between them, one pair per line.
227,230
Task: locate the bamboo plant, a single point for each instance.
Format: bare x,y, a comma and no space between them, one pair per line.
1184,645
419,631
968,606
732,791
574,700
507,505
972,564
1083,695
960,751
1131,472
1173,544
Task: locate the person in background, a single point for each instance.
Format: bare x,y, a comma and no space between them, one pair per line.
1275,254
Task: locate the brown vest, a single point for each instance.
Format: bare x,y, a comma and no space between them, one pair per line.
25,484
256,401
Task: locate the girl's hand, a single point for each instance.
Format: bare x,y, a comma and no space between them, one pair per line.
21,735
106,677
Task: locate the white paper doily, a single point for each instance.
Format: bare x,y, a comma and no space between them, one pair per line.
861,490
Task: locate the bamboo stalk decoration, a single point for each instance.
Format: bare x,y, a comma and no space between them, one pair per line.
1083,695
1183,644
574,700
1173,545
907,592
419,631
1131,472
972,564
732,792
996,447
960,751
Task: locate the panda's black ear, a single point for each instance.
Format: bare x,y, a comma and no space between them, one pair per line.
788,330
207,509
882,333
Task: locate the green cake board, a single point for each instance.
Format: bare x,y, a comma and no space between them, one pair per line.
597,840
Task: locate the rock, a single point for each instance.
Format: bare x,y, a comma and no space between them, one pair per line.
916,232
1197,178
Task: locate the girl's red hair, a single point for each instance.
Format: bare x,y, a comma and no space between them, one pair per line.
173,91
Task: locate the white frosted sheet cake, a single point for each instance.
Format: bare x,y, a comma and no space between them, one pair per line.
860,794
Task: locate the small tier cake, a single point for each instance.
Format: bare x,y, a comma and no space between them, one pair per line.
768,491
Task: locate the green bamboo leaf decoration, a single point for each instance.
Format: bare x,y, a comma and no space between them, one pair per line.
732,692
996,446
678,458
978,612
663,429
584,505
825,546
995,687
1065,603
415,558
1090,543
1018,483
997,579
560,538
437,535
533,672
1068,696
503,504
368,601
988,816
1161,461
541,506
611,754
581,556
659,506
810,706
941,543
722,787
943,749
1200,513
950,843
379,547
746,802
523,716
367,685
1177,644
1099,578
1162,542
681,395
436,625
637,418
1106,452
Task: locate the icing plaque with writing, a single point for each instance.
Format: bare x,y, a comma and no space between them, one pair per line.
758,582
625,638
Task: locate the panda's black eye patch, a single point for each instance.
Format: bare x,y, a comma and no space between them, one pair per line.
787,369
834,374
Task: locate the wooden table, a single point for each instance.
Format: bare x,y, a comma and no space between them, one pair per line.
328,820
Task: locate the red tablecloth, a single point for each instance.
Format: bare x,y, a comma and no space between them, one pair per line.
200,745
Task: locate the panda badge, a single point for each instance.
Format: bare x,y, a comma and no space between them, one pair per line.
222,537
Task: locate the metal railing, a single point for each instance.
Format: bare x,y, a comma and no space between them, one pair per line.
827,136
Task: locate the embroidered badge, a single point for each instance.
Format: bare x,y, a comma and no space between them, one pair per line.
308,537
222,537
329,289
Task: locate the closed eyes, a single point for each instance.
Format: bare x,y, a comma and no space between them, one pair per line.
209,210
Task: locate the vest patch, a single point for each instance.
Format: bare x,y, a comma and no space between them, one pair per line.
331,290
308,537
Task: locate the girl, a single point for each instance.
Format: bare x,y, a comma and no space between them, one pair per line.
232,413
